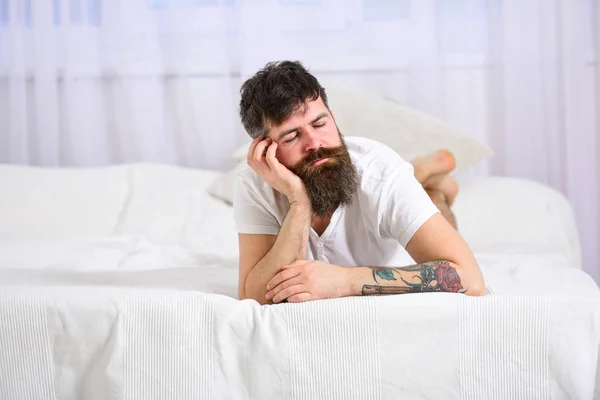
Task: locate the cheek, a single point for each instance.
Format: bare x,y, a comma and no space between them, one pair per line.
333,139
284,157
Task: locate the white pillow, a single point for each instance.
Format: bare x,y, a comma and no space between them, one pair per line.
409,132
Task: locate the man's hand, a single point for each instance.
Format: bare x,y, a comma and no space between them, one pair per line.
305,280
273,172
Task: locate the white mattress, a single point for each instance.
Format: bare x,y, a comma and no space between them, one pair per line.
121,283
82,329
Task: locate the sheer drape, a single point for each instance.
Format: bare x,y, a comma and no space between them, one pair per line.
91,82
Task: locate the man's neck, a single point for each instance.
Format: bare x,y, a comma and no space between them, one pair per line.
319,224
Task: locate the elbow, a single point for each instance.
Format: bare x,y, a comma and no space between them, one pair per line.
248,293
473,283
476,289
261,301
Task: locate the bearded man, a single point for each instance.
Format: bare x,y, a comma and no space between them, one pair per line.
320,215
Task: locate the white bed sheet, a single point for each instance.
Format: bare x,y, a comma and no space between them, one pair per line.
78,328
138,301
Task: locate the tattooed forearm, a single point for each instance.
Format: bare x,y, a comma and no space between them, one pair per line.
433,276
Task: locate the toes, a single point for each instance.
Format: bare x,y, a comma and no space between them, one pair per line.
446,158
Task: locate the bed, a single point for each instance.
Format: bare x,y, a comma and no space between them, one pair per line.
121,283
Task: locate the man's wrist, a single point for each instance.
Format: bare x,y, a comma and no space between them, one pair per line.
300,201
354,281
300,210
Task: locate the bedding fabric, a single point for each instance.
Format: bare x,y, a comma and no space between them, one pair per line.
170,205
137,299
124,318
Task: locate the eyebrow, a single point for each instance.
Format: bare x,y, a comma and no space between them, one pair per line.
318,117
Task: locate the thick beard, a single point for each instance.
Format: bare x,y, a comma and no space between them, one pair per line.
330,184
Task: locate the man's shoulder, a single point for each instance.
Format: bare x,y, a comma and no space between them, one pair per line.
372,158
364,145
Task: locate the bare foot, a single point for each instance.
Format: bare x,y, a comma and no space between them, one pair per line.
441,162
443,183
433,172
441,203
448,186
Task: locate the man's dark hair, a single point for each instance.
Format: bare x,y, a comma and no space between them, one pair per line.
274,93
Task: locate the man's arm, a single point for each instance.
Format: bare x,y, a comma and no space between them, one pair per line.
261,256
324,281
446,264
433,276
453,269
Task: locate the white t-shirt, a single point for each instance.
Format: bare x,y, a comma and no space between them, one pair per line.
388,208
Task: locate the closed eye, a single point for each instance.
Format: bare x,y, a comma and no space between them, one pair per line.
292,139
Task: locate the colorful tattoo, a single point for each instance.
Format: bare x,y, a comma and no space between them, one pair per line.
433,276
383,273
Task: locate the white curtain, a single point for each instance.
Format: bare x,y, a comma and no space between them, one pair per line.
93,82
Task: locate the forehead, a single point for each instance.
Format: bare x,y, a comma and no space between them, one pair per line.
301,116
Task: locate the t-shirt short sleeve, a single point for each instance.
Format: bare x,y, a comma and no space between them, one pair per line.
249,211
406,205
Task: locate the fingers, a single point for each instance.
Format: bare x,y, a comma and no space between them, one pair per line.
271,159
289,284
252,148
290,292
283,276
259,151
263,150
283,285
300,297
263,160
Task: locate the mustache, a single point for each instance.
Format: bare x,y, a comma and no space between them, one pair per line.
323,152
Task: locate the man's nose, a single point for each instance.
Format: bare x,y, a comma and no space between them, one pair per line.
313,140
